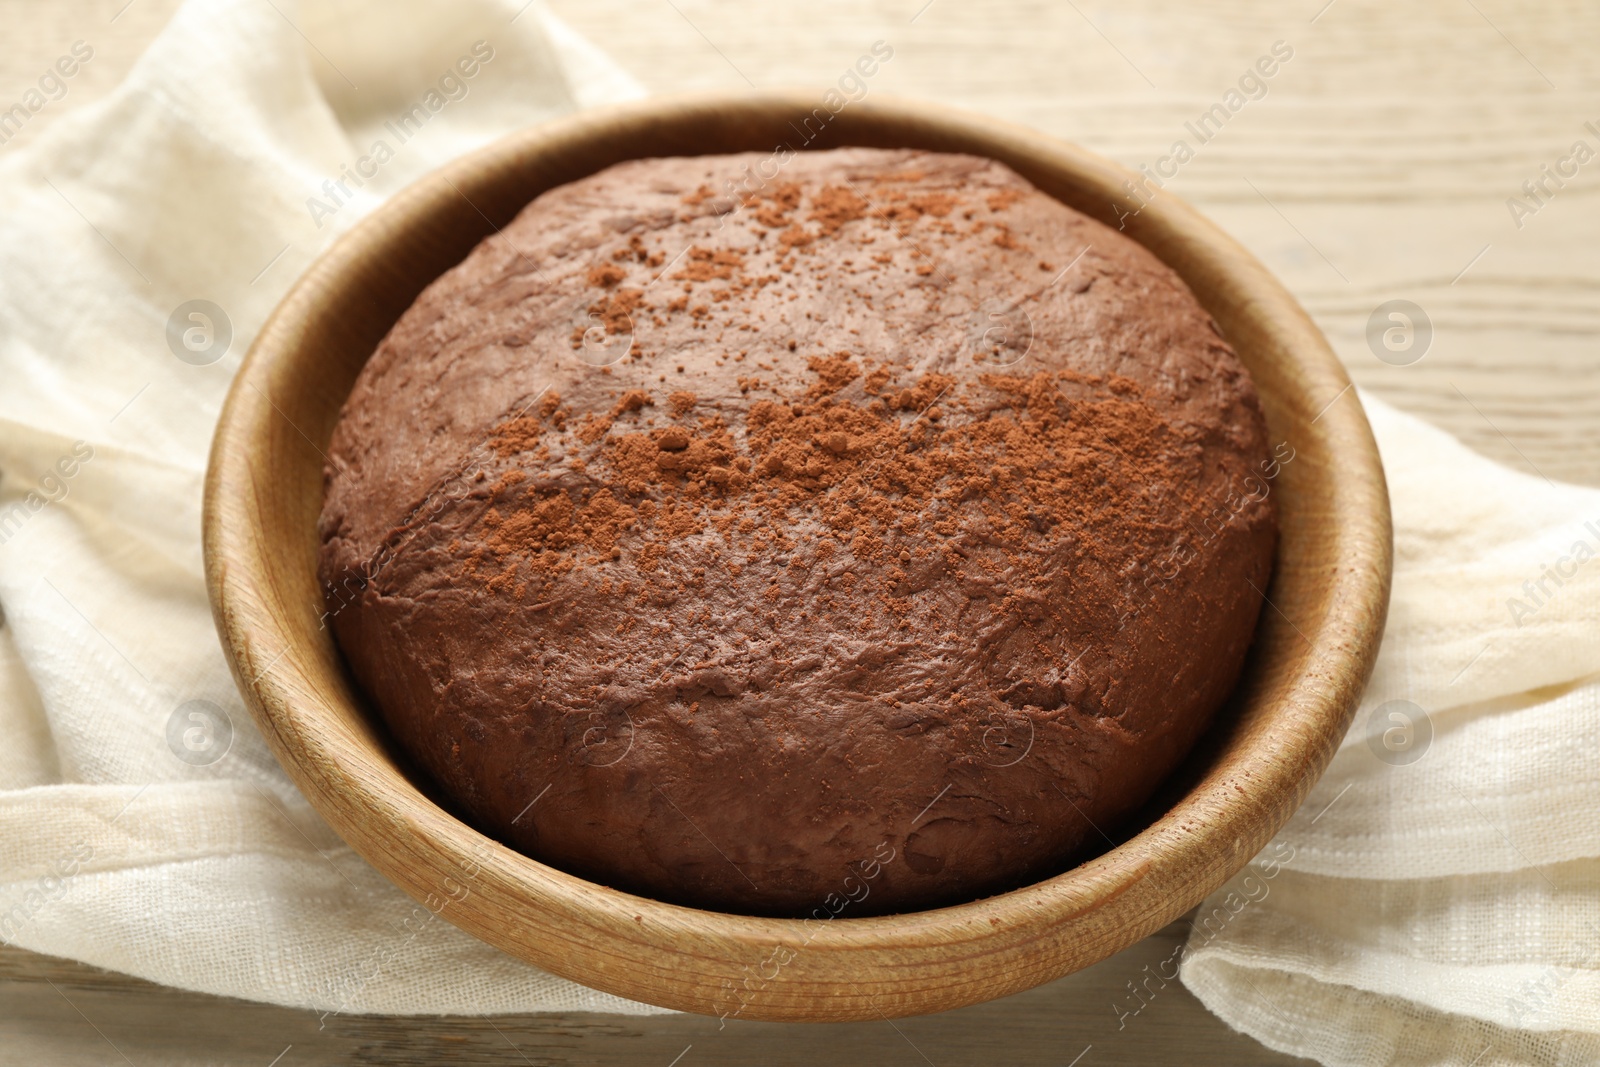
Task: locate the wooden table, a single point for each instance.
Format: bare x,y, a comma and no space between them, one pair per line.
1377,166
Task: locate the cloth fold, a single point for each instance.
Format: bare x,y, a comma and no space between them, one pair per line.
144,826
1437,902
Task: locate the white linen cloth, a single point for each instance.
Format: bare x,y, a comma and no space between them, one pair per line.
1429,913
1443,908
191,181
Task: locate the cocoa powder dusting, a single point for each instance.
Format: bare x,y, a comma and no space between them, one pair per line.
1023,466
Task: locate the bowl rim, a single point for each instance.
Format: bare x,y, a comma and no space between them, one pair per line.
843,968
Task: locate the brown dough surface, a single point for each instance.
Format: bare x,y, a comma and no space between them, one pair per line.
858,543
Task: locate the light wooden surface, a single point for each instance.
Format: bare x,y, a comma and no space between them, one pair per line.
1313,650
1391,141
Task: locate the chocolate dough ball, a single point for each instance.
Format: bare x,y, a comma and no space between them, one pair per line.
855,532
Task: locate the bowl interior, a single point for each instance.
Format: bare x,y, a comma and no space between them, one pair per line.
1314,648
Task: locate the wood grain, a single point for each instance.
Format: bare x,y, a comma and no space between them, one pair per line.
1312,655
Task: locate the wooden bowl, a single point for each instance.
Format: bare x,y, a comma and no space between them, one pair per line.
1313,652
